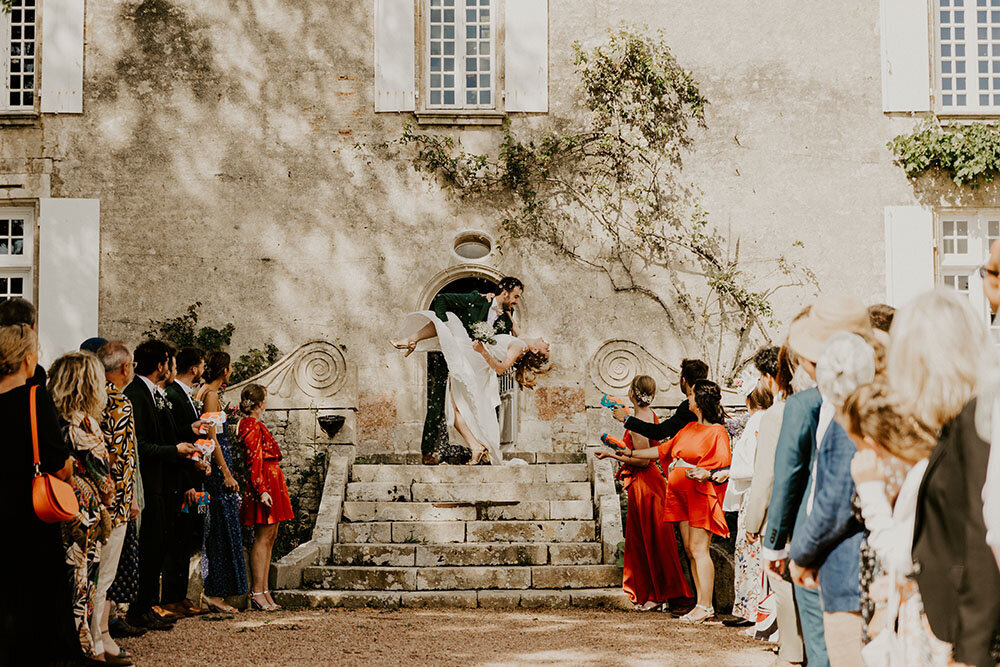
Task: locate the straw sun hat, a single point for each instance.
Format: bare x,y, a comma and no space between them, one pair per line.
829,314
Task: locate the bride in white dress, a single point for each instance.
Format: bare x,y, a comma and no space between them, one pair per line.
473,393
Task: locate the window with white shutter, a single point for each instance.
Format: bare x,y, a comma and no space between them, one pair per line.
906,73
909,253
963,242
18,53
967,56
17,252
69,241
472,60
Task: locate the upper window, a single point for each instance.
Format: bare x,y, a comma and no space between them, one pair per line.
18,28
967,53
460,48
17,252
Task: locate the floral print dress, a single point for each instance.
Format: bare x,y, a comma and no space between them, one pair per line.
84,535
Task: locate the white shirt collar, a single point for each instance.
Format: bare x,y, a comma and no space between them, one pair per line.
189,392
153,389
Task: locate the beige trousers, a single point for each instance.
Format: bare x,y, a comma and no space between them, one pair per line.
842,631
110,555
790,648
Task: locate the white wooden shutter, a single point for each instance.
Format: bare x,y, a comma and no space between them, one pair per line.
394,55
909,253
62,56
526,55
906,78
69,243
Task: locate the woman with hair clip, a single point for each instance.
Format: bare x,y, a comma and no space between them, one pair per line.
700,456
652,574
265,498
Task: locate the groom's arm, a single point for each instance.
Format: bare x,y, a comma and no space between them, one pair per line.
455,303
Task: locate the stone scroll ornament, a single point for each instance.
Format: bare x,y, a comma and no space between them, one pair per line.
311,376
617,361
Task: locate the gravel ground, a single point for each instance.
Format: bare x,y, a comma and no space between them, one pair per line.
447,637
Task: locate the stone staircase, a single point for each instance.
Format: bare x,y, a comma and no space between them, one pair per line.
483,536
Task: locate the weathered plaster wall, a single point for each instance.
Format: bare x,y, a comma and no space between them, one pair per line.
220,138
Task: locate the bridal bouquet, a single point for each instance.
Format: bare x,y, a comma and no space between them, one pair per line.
484,333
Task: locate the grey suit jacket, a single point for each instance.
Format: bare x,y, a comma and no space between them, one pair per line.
755,509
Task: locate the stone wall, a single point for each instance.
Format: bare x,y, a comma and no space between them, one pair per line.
220,139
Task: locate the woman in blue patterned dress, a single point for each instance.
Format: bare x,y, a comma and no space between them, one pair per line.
222,566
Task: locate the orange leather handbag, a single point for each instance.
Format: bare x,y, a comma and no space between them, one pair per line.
54,499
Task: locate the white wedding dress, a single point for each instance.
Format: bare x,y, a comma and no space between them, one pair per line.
472,384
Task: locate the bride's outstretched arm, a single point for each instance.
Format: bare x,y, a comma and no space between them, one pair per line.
513,354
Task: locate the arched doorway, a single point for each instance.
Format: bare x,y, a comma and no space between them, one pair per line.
483,279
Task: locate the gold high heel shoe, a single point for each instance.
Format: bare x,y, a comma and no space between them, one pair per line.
479,457
404,345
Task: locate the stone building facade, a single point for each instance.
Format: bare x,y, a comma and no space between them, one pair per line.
176,151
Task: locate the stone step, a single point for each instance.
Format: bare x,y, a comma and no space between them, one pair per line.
405,474
369,578
357,511
608,598
444,555
443,532
530,531
461,492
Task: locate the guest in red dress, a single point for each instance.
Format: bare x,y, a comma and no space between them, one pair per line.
265,496
652,574
701,455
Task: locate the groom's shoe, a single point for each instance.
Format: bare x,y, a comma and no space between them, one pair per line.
431,460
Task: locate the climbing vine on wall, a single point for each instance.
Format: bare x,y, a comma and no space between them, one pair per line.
968,153
603,188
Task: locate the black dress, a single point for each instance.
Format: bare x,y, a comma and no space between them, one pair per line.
36,615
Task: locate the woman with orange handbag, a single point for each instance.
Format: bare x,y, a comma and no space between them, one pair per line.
36,619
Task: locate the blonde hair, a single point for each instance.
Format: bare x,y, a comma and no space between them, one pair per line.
643,389
17,343
251,397
76,383
870,412
938,346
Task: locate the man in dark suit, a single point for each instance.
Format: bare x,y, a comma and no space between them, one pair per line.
159,453
954,567
188,526
470,308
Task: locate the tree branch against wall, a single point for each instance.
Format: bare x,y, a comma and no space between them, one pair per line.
607,194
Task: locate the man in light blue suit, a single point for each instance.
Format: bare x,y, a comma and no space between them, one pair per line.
787,510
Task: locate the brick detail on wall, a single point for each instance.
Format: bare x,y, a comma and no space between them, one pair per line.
376,417
553,403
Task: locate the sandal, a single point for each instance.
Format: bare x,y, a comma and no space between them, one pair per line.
404,345
699,614
479,458
274,605
220,608
257,606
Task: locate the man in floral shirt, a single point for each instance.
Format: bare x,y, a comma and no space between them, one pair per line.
119,433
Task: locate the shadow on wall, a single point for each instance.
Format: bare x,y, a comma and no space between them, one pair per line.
219,129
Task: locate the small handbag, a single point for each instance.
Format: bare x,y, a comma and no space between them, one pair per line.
54,499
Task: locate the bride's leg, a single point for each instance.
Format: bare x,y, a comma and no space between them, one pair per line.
466,433
427,331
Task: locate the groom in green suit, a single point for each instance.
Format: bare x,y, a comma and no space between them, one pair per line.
469,308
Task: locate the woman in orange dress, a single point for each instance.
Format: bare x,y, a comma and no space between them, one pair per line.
653,573
696,485
265,496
